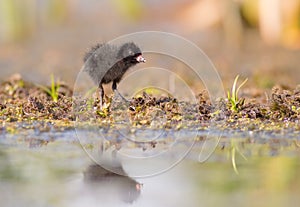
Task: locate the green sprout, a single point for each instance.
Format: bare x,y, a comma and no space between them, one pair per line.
53,91
233,98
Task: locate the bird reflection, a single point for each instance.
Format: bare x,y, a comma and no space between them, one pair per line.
111,185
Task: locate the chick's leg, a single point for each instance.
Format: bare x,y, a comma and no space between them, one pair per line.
101,93
115,90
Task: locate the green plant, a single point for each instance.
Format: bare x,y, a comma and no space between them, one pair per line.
233,98
53,91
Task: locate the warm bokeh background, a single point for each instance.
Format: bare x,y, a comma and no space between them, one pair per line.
259,39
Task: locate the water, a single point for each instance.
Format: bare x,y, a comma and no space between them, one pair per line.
50,168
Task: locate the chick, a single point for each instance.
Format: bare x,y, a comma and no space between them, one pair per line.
107,63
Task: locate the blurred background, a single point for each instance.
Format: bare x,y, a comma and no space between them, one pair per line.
258,39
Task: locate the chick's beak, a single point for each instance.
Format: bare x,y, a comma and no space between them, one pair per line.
140,59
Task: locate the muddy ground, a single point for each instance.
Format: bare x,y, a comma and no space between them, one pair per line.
21,101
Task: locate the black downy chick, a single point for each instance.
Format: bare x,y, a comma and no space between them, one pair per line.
107,63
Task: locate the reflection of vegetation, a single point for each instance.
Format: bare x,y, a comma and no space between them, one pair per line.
233,149
53,91
262,177
233,98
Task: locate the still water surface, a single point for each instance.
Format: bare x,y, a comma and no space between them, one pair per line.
52,169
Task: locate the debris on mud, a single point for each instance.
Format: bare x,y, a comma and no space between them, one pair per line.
285,104
21,101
